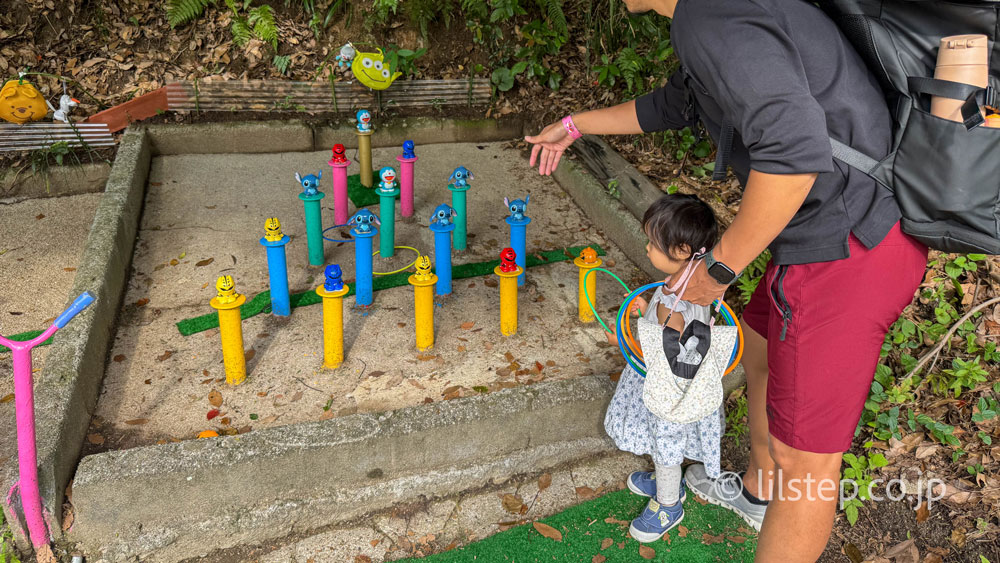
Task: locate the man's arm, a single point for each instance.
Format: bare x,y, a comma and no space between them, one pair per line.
769,203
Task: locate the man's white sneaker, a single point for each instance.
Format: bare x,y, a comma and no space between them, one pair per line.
727,491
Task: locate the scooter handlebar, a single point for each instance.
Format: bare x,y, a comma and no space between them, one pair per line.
81,303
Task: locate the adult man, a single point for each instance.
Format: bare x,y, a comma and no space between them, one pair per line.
780,79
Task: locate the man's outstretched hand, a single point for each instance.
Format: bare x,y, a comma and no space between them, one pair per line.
552,142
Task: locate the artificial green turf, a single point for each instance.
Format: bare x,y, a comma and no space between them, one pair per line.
584,528
261,303
26,336
359,194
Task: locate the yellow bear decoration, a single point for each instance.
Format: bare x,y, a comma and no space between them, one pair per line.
20,102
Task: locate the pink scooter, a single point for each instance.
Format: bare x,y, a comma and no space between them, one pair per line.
24,407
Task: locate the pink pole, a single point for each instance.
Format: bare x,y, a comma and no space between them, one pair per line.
27,455
406,185
340,215
24,409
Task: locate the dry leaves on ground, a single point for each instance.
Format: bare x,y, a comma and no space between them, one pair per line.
646,552
547,531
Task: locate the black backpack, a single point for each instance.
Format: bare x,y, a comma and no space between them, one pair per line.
944,174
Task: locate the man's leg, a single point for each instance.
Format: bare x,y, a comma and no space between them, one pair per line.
761,469
800,516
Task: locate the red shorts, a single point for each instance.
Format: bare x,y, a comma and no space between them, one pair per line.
825,324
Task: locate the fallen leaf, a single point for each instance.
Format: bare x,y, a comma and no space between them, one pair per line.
95,439
544,481
376,373
174,262
490,282
68,518
250,354
426,357
700,500
958,537
296,396
598,559
607,542
853,553
401,325
215,398
509,356
612,520
119,358
7,398
204,262
141,302
40,216
736,539
468,325
137,421
415,383
585,493
270,419
212,414
933,558
709,539
547,531
904,552
926,451
922,512
682,531
225,421
512,503
69,269
646,552
327,415
166,355
360,559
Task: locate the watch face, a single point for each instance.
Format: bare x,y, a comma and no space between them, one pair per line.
721,273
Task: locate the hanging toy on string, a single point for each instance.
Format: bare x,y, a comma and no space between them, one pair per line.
370,70
66,104
20,102
346,55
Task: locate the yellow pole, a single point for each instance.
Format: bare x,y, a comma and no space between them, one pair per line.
423,306
586,262
228,303
508,300
365,153
333,326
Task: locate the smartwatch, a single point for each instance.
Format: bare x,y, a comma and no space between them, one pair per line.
719,271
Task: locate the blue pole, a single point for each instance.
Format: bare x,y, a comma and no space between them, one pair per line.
442,257
518,236
363,266
277,271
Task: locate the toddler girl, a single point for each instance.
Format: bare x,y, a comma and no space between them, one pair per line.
678,226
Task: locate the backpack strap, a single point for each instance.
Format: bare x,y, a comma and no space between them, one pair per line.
975,98
725,151
860,161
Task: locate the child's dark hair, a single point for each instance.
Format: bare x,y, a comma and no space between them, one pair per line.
677,220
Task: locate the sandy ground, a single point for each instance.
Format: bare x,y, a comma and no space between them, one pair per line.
205,208
41,242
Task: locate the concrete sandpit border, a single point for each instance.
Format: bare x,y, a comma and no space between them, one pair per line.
180,500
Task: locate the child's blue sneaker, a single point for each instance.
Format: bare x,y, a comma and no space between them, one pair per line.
643,483
655,521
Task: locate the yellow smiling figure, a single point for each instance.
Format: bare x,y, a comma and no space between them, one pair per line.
20,102
371,71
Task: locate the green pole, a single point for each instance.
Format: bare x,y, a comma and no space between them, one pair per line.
314,227
461,219
387,214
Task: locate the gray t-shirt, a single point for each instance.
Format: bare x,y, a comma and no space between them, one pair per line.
784,76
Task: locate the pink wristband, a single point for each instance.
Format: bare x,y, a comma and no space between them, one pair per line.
571,127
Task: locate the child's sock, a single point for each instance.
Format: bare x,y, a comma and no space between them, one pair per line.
668,484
